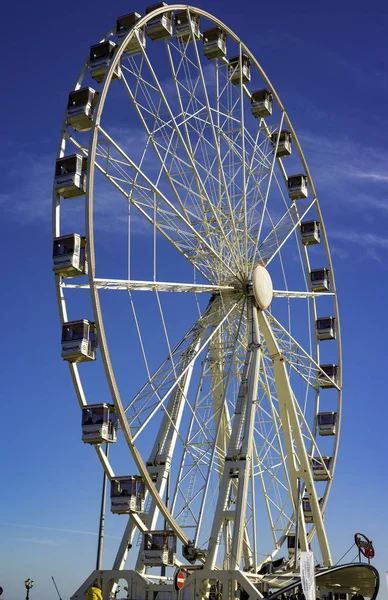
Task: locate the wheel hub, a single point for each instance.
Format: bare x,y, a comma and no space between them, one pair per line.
262,287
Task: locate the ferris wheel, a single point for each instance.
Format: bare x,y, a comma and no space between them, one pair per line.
192,266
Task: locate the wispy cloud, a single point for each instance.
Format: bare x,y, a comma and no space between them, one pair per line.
361,238
348,172
28,198
27,187
372,175
372,243
351,179
58,529
40,541
344,158
340,252
362,201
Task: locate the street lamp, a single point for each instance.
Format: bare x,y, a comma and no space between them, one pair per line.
29,584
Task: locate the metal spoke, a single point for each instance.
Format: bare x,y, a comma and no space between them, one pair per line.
164,381
295,355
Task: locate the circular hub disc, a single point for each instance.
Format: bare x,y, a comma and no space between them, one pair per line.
262,286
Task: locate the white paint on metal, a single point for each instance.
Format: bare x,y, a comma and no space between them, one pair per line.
262,287
204,235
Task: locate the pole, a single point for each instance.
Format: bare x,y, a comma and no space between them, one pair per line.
56,587
102,518
163,567
297,526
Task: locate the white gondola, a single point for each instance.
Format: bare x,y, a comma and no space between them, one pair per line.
185,27
297,187
123,25
159,548
326,329
291,545
100,59
70,176
214,43
310,232
79,341
284,145
332,372
99,424
69,256
261,103
80,108
307,511
239,70
319,279
321,469
159,27
327,422
127,495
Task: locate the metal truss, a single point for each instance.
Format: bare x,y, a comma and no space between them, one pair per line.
223,424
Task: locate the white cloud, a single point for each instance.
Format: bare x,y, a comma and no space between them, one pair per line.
58,529
343,158
337,251
372,175
347,174
40,541
372,243
365,201
27,186
28,196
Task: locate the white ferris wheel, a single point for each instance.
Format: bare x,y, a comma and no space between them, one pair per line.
217,380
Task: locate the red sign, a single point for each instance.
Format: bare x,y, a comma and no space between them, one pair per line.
179,580
364,545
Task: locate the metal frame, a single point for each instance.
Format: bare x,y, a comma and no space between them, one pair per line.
205,233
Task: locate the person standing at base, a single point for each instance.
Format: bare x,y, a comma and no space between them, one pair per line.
94,592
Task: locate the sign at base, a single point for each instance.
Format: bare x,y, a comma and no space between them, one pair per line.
179,580
364,545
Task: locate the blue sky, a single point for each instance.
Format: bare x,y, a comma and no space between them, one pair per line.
329,64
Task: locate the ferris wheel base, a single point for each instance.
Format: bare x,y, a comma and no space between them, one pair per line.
354,579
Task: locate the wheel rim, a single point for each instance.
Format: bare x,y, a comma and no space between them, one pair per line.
225,260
